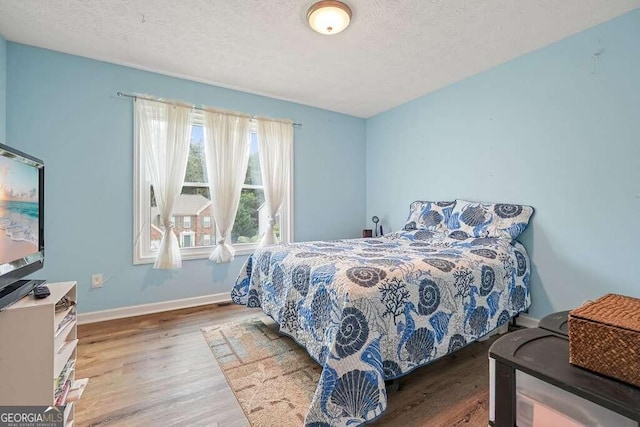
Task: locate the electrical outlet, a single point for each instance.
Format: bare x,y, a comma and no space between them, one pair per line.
96,280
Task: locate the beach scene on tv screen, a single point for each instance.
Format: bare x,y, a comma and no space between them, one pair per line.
18,210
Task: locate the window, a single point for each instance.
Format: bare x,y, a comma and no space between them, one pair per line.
195,201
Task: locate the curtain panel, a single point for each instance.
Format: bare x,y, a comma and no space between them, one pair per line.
275,145
164,135
226,147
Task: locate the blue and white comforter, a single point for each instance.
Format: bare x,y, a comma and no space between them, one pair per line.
370,310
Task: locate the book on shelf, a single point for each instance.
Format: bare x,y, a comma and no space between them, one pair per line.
61,394
64,375
66,320
77,388
64,303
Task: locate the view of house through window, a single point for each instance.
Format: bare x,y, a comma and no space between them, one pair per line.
192,213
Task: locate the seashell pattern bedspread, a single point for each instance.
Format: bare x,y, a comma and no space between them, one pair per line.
370,310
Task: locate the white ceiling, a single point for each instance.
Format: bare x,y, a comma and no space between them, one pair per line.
394,50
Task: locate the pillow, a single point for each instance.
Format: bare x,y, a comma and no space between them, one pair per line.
473,219
430,216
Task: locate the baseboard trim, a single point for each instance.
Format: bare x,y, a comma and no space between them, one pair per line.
157,307
526,321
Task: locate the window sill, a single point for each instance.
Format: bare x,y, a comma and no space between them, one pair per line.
194,253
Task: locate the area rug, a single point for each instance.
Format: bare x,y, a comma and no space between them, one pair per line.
274,380
272,377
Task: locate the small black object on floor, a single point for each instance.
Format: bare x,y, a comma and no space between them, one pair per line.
513,326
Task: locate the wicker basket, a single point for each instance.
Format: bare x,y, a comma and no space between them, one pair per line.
604,337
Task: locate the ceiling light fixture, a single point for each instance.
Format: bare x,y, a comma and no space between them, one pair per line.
329,17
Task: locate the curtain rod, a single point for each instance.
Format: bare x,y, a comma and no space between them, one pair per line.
129,95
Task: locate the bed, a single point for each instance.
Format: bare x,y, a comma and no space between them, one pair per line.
372,310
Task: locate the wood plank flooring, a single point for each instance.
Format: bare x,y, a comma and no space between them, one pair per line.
157,370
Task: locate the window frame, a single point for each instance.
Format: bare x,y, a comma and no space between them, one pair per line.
142,253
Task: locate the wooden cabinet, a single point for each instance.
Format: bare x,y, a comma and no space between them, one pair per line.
38,349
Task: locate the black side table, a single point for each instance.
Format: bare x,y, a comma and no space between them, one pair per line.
544,355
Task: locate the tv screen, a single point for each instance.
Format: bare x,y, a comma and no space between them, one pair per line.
21,210
18,210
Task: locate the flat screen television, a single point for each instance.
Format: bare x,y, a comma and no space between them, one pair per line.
21,222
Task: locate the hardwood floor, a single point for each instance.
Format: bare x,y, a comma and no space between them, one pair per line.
157,370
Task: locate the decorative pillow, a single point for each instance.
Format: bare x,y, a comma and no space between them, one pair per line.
473,219
430,216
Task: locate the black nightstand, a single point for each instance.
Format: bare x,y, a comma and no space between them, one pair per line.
532,380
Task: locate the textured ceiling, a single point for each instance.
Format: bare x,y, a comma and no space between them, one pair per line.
394,50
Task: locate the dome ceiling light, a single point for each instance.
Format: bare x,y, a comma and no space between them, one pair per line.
329,17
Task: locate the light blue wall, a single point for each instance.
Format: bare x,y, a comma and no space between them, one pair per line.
3,89
64,109
555,129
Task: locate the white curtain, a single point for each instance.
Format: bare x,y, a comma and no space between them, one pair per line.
226,148
165,133
275,144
